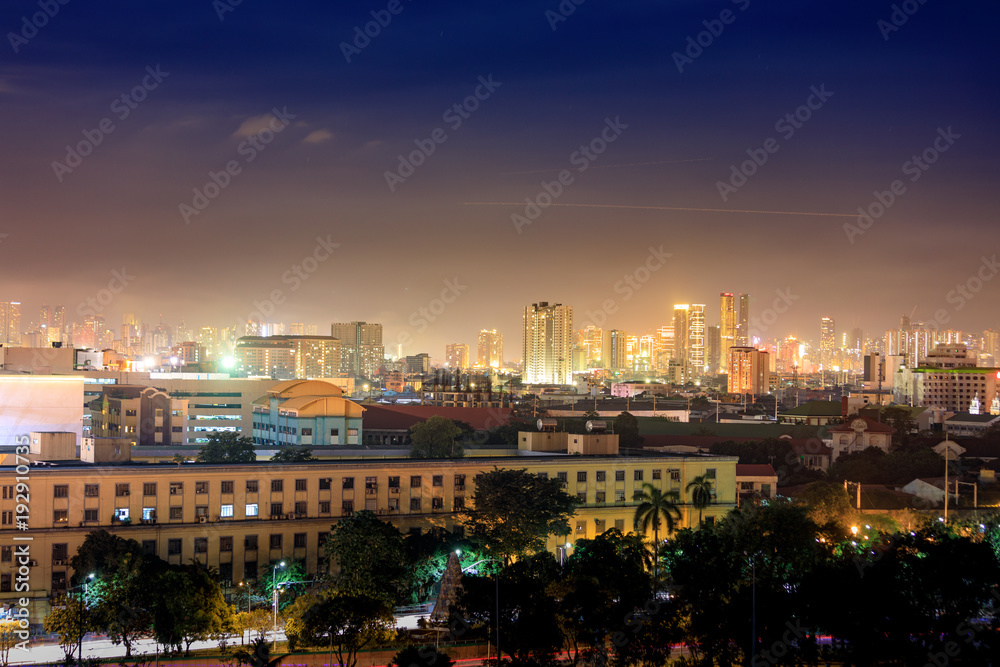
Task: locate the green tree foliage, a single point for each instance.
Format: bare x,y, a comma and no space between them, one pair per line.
529,626
656,509
701,493
371,556
227,447
101,553
777,452
9,638
515,512
346,622
428,656
288,579
874,466
627,428
436,438
122,600
828,504
193,608
257,654
293,455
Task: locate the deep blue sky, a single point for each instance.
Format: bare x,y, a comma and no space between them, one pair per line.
120,207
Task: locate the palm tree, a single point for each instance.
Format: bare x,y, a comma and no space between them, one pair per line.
701,493
654,506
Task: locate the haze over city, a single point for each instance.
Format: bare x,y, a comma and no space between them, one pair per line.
513,92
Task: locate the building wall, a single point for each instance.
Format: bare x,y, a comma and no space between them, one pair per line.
40,403
186,506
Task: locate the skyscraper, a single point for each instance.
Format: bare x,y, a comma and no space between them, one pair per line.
727,327
10,323
456,355
743,321
490,352
547,343
749,371
361,351
681,339
713,349
696,339
827,342
617,350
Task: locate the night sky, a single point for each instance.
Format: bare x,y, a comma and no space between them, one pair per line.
678,124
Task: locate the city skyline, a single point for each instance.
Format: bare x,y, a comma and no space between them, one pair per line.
328,216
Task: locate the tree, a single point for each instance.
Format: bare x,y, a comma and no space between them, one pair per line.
123,600
346,622
227,447
515,511
900,417
435,439
653,505
293,455
828,503
701,493
192,609
627,428
102,553
10,637
371,556
258,654
411,656
67,618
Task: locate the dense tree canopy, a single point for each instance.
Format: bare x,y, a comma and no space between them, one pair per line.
293,455
515,512
436,438
227,447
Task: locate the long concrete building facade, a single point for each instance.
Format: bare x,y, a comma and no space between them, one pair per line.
239,518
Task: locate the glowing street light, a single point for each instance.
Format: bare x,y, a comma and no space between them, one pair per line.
274,594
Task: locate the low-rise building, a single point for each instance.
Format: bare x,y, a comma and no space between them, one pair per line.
860,434
306,413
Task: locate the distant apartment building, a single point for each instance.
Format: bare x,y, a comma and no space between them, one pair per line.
490,349
616,351
547,343
827,342
456,355
361,349
418,363
260,356
743,321
948,380
727,327
188,352
749,371
10,323
144,416
316,356
681,343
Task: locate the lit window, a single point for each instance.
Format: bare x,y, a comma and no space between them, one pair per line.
226,511
251,509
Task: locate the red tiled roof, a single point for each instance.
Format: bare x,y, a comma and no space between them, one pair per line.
755,470
402,417
872,426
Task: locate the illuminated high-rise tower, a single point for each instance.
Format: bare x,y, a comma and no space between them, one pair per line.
727,327
743,321
696,339
10,323
490,349
827,342
456,355
548,343
681,343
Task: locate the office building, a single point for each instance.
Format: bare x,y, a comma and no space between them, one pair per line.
547,344
456,355
316,356
727,326
827,342
490,349
10,323
361,350
259,356
749,371
743,322
696,339
616,352
681,342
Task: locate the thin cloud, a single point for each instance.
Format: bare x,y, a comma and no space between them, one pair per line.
254,125
318,136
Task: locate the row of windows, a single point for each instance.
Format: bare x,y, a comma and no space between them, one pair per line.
674,475
252,486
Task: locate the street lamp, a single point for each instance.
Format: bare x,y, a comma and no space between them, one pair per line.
79,641
562,552
497,579
274,594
